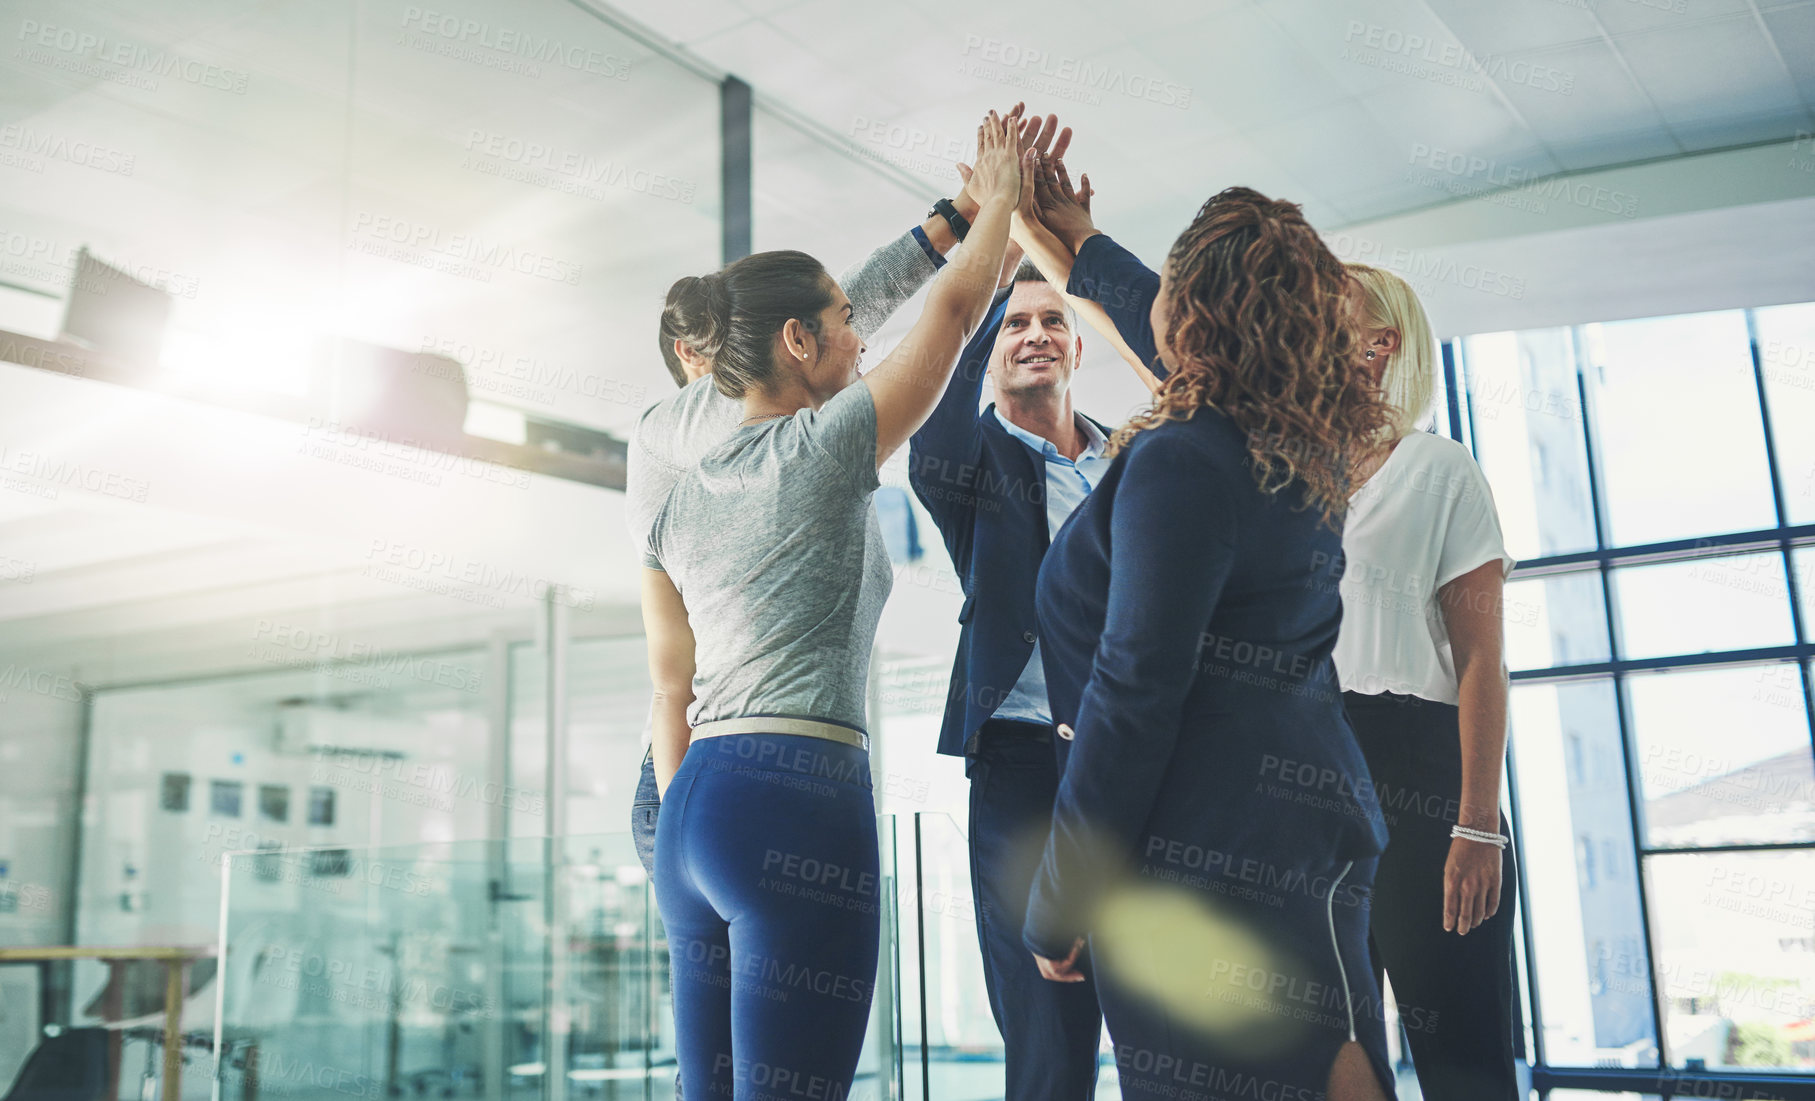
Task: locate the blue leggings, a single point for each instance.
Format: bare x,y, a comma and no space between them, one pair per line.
769,881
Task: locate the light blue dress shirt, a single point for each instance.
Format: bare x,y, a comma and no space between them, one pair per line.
1067,484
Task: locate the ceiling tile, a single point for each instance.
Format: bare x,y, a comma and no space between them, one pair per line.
1341,136
1248,67
1717,73
1793,29
1629,16
686,21
1514,28
1574,94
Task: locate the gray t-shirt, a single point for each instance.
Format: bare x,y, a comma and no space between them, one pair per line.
671,435
670,438
774,546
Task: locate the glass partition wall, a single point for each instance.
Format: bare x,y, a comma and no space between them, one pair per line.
1656,479
468,969
375,242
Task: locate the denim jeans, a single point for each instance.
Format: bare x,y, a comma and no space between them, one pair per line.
644,808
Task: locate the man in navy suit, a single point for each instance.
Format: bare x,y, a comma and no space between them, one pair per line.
998,485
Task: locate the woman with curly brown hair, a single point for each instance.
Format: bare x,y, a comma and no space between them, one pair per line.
1215,833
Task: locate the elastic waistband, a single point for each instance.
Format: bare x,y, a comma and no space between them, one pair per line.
781,724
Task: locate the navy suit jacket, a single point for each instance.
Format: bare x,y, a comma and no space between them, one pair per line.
1190,620
986,492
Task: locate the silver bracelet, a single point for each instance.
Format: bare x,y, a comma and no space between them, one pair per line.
1497,840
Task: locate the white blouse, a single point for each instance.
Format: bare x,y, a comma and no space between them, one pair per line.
1425,518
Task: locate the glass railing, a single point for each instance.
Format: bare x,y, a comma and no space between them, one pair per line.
468,969
461,969
953,1051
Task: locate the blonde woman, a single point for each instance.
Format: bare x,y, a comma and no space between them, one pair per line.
1424,685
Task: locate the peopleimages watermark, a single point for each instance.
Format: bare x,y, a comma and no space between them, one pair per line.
1423,269
473,573
411,459
378,987
566,170
32,898
284,1077
1670,769
769,977
50,261
44,355
918,150
23,147
496,372
43,475
1063,77
39,682
1788,364
422,783
507,49
1781,685
466,255
1447,62
1756,574
1487,396
1804,143
1204,868
827,883
278,643
121,60
1487,178
332,871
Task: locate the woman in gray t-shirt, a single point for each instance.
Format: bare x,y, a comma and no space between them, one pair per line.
764,577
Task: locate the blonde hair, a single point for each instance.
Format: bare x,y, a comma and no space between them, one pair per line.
1409,382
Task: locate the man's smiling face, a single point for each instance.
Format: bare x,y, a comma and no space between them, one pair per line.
1038,347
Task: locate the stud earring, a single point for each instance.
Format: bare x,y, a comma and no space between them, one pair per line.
1370,354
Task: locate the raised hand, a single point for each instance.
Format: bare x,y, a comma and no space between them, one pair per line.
1039,134
966,200
1063,210
997,174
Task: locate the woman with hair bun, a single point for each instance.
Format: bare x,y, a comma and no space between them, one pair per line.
766,574
1424,685
1215,835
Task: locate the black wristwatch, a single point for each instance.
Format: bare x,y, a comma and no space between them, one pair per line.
959,223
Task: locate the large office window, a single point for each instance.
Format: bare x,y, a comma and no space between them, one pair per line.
1656,478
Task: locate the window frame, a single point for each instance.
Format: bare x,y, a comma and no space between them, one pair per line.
1783,538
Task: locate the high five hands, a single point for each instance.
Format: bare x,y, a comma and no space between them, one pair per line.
1053,204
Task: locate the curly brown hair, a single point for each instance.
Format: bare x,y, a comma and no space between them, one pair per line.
1260,329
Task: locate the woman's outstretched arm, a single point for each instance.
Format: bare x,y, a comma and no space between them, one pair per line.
907,384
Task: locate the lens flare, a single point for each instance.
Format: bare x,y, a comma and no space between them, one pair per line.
1209,967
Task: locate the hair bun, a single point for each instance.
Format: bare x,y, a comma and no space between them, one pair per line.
717,300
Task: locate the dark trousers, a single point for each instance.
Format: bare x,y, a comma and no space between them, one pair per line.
1050,1030
769,879
1455,993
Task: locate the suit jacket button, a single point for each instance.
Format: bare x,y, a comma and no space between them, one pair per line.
1067,732
1028,636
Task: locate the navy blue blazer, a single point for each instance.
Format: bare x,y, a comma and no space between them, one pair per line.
986,491
1187,624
